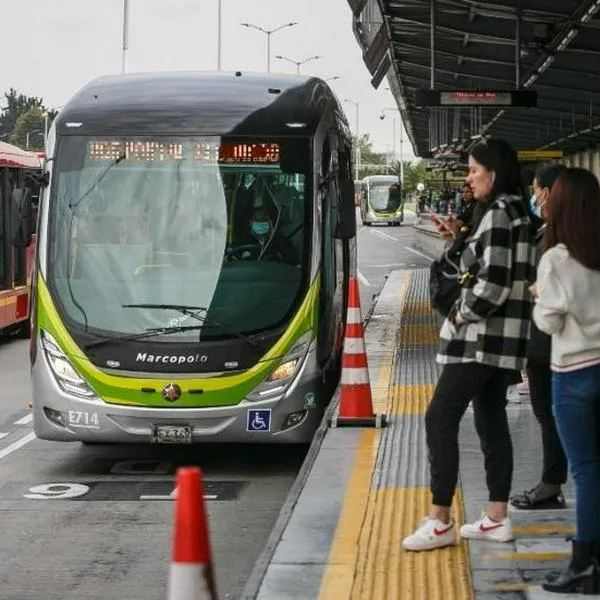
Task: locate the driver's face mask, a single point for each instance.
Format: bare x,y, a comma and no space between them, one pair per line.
260,227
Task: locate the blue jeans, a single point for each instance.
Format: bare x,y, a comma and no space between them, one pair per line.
576,404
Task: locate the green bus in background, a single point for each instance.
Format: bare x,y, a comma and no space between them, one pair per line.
197,233
381,200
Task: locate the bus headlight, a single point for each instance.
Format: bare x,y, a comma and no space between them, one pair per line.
63,371
277,381
284,371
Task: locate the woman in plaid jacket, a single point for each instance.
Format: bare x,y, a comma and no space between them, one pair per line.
482,340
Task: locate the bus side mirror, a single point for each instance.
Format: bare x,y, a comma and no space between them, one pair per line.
346,227
21,217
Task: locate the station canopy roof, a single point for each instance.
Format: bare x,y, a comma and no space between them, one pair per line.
475,50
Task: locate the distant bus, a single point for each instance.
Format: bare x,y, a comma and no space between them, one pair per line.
18,198
381,200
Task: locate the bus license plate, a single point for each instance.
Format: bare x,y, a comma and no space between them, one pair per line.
172,434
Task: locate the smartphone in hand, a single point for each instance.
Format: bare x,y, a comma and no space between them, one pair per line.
440,222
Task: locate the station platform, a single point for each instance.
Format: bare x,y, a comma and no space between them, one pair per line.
361,491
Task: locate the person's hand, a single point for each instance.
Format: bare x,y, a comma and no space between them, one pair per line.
450,230
533,290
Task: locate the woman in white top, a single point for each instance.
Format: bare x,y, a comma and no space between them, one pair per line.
568,308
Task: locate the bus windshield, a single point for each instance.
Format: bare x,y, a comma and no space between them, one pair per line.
176,221
383,197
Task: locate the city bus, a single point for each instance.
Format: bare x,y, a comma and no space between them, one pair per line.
381,200
19,171
196,239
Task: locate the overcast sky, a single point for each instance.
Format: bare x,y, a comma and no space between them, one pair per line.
51,48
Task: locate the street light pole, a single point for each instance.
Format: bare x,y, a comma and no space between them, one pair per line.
27,137
357,166
268,33
220,25
401,141
298,63
125,35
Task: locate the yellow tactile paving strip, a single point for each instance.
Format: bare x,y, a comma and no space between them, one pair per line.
366,560
386,572
411,399
417,334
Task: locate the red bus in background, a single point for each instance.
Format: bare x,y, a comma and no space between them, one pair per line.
19,170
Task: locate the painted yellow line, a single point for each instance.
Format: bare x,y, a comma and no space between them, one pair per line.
411,399
339,574
534,556
545,529
341,566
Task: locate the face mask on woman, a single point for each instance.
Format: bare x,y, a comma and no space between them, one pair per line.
536,209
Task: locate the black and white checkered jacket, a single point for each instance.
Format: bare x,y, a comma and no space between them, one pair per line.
497,307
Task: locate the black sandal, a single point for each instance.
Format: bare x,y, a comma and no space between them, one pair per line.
531,500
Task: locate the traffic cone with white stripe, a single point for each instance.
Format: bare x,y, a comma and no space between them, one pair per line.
191,576
356,403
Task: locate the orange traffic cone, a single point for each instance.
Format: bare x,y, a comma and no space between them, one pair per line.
191,576
356,403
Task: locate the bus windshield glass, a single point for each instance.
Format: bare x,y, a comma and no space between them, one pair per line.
178,221
384,197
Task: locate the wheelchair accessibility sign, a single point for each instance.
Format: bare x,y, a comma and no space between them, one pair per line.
259,419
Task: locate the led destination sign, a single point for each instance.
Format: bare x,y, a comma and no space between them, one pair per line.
524,98
155,151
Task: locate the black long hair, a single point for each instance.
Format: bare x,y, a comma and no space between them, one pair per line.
499,156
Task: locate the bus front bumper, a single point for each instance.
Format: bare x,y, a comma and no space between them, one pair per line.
290,417
395,219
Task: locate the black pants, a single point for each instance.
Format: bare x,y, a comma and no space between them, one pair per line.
457,386
540,390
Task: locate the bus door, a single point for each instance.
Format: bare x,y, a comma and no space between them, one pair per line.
19,279
331,302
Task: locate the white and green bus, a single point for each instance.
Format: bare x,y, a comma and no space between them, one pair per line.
196,236
381,200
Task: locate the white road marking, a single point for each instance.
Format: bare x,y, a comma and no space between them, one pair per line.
171,497
16,445
385,236
363,279
418,253
3,435
24,420
388,266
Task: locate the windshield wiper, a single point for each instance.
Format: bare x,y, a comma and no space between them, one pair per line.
204,319
139,336
100,177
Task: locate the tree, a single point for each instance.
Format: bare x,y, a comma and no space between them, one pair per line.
28,131
16,105
414,173
371,162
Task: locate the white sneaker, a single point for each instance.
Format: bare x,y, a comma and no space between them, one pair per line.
488,529
432,533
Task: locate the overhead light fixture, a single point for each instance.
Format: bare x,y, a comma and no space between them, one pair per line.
567,39
591,11
549,60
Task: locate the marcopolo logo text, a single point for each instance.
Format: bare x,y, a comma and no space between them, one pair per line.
171,359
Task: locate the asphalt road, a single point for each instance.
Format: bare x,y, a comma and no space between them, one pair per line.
382,249
95,523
